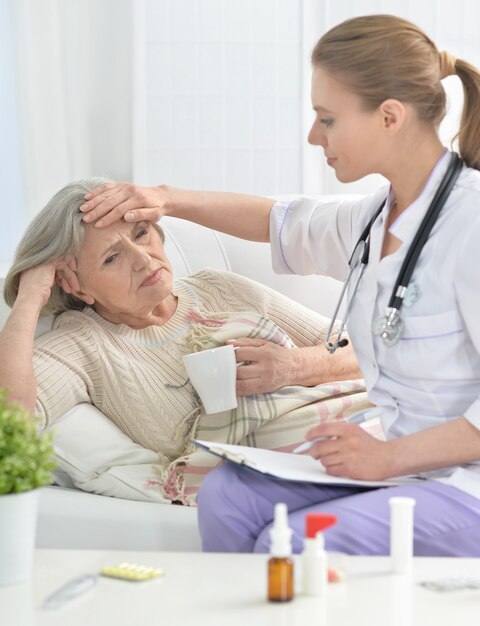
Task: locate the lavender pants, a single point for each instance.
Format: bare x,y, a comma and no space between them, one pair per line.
235,507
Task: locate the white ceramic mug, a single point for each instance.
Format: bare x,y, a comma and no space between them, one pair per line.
213,373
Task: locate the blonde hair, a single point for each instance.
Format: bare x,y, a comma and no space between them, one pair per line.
57,231
384,56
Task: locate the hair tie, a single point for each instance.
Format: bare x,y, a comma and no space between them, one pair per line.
447,64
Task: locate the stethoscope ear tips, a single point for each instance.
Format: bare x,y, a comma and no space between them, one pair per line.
331,347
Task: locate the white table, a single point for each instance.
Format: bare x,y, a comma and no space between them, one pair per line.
229,590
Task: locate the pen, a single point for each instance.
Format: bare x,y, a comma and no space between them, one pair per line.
303,447
357,418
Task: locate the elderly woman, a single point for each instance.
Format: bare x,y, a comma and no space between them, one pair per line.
122,325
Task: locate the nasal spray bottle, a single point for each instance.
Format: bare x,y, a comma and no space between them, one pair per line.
280,565
314,557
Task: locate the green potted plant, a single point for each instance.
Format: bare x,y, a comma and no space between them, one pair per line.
26,464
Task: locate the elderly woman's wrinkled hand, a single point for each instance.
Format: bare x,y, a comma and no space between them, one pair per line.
36,283
112,202
66,276
264,366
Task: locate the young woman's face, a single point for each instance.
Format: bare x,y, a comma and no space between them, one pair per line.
124,269
351,136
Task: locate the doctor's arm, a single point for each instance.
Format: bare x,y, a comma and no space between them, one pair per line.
237,214
353,453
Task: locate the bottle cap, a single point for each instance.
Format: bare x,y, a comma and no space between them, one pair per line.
401,502
280,533
316,522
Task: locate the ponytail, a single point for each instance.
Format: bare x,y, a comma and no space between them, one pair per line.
469,133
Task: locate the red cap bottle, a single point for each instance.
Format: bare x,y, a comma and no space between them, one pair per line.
317,522
314,557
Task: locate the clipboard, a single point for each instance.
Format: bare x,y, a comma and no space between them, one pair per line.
292,467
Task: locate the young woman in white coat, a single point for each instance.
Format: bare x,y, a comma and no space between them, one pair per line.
379,100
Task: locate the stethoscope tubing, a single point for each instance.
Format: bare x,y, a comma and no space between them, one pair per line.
428,222
352,265
395,303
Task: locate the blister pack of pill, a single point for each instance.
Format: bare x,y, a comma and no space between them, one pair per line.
131,572
455,583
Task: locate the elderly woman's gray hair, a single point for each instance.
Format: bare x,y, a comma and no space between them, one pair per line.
56,232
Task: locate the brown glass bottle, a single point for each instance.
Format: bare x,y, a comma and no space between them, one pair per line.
280,579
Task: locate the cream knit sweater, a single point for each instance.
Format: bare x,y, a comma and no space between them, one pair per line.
136,377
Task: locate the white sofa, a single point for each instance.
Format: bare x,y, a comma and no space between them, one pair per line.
70,518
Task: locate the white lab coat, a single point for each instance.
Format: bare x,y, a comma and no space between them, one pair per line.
433,373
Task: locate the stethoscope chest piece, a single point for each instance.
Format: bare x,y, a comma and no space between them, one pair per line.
389,327
411,295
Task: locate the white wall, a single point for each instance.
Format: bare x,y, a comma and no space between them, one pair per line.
216,91
13,218
222,94
224,101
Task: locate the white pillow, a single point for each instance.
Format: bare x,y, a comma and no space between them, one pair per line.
98,457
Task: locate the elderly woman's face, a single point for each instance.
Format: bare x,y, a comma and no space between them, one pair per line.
124,269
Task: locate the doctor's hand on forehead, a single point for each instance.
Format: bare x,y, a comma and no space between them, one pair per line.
112,202
240,215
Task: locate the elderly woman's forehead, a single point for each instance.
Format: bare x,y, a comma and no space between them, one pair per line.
93,234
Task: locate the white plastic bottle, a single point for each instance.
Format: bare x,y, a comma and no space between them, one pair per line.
314,557
401,534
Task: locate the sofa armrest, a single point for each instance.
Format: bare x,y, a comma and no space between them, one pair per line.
71,519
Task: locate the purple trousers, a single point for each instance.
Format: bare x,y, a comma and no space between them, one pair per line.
235,507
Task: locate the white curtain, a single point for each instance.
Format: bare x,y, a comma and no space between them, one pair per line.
11,203
67,108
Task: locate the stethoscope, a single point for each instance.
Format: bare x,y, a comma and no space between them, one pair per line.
390,325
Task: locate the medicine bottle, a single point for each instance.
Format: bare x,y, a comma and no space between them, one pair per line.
280,565
401,534
314,556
